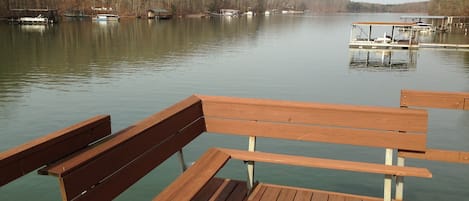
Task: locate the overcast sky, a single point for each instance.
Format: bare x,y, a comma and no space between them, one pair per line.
389,1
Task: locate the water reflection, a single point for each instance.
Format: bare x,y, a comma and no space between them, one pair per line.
38,28
77,51
382,60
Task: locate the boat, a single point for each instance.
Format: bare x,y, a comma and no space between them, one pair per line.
423,27
226,13
40,19
106,17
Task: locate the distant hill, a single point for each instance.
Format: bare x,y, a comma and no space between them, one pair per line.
449,7
419,7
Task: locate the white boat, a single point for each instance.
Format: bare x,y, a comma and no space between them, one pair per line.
34,20
423,27
384,39
226,13
106,17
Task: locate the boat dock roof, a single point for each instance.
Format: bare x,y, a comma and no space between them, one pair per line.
423,17
385,23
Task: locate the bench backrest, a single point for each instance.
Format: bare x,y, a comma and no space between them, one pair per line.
442,100
343,124
432,99
30,156
104,171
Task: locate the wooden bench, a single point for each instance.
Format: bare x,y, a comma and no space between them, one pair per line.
30,156
432,99
443,100
104,171
392,128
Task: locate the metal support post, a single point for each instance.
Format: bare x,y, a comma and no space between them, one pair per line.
181,161
400,181
388,178
252,147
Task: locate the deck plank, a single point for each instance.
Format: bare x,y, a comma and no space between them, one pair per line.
226,191
336,198
318,196
352,199
209,190
328,193
258,192
302,195
270,194
225,184
286,195
239,193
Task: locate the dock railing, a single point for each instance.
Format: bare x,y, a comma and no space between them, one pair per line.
102,170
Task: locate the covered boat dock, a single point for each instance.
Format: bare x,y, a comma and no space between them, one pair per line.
392,35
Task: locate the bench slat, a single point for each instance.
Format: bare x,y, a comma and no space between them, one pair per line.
25,158
385,139
379,118
445,100
328,163
186,186
441,155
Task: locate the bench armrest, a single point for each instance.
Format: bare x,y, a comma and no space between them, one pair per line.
328,163
186,186
25,158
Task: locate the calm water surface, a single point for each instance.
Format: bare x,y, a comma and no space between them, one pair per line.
52,77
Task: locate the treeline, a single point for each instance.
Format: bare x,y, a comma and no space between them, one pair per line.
139,7
449,7
181,7
379,8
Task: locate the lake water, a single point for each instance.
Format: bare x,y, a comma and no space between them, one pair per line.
52,77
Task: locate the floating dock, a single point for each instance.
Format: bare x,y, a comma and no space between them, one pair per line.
392,35
444,46
362,35
34,16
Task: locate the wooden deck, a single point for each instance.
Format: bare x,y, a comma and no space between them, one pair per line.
219,189
90,171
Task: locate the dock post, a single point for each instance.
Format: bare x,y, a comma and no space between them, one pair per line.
181,161
388,178
252,147
410,38
369,34
400,181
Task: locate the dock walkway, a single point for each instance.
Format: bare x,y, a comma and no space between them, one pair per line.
443,46
234,190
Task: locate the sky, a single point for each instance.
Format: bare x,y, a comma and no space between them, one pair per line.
389,1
